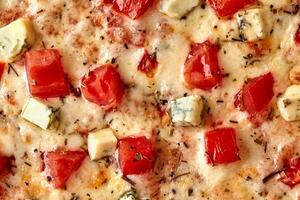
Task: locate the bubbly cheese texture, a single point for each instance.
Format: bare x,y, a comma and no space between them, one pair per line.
40,114
251,24
101,143
177,8
15,38
187,111
289,103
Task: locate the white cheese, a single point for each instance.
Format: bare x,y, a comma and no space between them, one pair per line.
289,104
101,143
187,110
251,24
40,114
15,38
177,8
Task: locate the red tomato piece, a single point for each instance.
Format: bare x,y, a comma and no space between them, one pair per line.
45,74
131,8
225,8
255,97
148,64
103,86
291,175
297,36
4,163
201,68
60,165
221,147
2,67
136,154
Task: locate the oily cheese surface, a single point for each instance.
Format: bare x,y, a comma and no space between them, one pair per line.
83,33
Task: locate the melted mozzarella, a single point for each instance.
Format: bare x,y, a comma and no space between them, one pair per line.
67,26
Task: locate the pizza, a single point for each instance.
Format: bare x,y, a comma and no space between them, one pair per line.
150,100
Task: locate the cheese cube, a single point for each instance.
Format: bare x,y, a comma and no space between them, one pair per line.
40,114
251,24
177,8
101,143
187,110
289,104
130,195
15,38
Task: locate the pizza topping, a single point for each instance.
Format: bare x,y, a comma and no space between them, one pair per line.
291,175
4,164
225,8
2,68
201,68
45,74
131,8
187,111
297,36
136,154
221,147
40,114
177,8
103,86
251,24
61,164
129,195
289,104
101,143
15,38
255,97
148,64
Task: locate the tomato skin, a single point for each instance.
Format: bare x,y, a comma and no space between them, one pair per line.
221,147
148,65
225,8
104,87
45,74
297,36
131,8
291,175
137,155
2,68
201,68
61,164
256,96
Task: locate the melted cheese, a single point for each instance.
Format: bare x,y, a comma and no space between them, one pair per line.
84,45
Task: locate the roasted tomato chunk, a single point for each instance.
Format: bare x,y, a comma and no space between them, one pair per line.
225,8
45,74
297,36
103,86
255,97
201,68
136,154
291,175
61,164
148,64
131,8
221,147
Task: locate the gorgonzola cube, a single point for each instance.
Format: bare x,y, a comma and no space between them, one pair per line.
40,114
15,38
289,103
177,8
251,24
101,143
187,111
